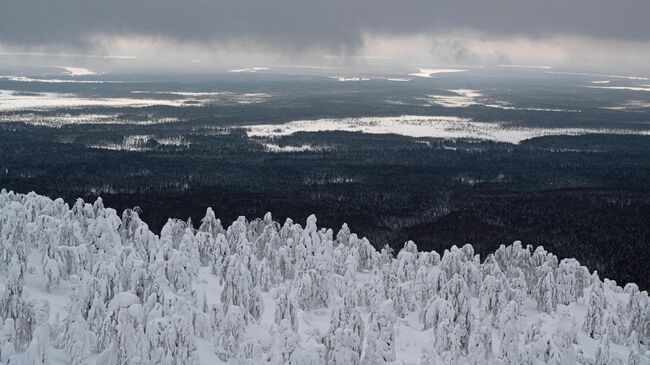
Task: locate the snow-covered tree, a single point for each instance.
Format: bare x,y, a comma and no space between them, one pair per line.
380,338
171,341
344,347
480,345
38,351
546,289
634,358
286,343
135,298
509,334
232,327
77,339
312,290
594,324
603,356
568,289
14,307
121,336
455,291
285,310
494,296
404,300
238,288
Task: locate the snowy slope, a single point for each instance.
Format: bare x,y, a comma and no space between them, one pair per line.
83,285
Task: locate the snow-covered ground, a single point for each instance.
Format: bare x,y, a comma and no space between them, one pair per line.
349,79
57,81
532,67
426,126
12,101
249,69
16,101
630,88
83,285
429,72
78,71
463,98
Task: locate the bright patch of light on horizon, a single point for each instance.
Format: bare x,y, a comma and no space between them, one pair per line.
629,88
250,69
78,71
182,93
66,55
353,79
597,75
57,81
630,105
527,67
429,72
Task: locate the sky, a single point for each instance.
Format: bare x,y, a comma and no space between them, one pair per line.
203,35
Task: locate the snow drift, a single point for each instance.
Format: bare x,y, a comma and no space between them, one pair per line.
82,285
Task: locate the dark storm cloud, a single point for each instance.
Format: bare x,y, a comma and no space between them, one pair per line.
335,24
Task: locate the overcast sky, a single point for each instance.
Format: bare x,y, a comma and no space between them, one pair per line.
590,34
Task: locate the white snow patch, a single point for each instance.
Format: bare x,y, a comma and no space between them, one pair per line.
598,75
183,93
630,105
57,81
77,71
249,69
630,88
429,72
398,79
63,119
270,147
140,143
353,79
212,97
463,98
527,67
426,126
14,101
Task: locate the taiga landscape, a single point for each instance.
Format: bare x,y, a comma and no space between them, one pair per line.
250,184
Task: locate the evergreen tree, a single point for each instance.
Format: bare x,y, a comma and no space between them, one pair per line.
594,319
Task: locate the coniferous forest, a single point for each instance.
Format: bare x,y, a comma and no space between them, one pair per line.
261,291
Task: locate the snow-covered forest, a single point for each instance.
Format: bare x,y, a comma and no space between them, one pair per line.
81,284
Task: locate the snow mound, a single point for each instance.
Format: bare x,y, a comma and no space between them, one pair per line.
82,285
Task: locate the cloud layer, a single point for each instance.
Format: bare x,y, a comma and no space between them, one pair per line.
451,29
303,23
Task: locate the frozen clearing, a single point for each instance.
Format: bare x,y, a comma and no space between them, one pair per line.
429,72
249,69
425,126
630,88
463,98
78,71
16,101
